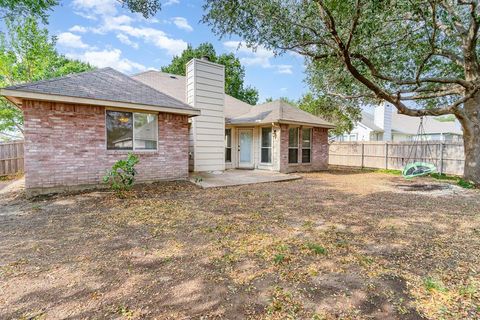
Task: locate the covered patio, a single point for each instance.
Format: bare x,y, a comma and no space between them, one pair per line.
237,177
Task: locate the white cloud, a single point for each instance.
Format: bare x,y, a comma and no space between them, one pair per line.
70,40
171,2
284,68
182,23
153,36
126,40
283,89
257,57
77,28
105,11
108,58
90,8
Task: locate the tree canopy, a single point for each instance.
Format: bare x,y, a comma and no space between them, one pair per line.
421,56
28,54
234,71
39,9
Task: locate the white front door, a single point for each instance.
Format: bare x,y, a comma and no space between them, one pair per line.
245,148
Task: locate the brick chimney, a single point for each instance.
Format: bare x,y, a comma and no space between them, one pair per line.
206,91
382,118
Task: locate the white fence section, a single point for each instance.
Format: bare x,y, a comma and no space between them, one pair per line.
447,156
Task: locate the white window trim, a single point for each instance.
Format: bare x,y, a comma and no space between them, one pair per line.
262,147
310,147
133,132
231,143
297,147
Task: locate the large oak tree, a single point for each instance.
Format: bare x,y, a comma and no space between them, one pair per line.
419,55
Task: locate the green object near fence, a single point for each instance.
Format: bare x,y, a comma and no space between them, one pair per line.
418,169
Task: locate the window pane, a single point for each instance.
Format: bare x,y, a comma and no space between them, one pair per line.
266,155
119,130
293,137
228,138
228,154
306,155
292,155
306,137
266,137
145,131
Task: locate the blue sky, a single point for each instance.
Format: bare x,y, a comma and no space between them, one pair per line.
103,33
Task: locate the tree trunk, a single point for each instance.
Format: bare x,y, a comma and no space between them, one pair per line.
471,139
471,171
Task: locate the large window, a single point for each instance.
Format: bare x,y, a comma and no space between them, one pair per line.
266,156
306,145
228,145
131,131
293,145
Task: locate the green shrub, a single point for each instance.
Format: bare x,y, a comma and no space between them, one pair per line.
121,176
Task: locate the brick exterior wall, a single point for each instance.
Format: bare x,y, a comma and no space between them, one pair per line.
65,147
319,151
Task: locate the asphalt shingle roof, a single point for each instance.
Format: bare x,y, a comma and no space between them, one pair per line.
103,84
278,111
236,111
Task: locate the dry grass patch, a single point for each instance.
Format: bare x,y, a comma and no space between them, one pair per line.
337,245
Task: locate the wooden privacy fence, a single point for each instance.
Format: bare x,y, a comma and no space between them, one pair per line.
447,156
11,158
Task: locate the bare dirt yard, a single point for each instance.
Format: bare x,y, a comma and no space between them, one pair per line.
333,245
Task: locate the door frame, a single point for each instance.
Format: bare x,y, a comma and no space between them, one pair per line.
250,165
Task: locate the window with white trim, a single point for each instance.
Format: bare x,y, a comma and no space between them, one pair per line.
306,145
293,145
131,130
266,152
228,145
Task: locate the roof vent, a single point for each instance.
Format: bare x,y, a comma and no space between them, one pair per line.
206,58
173,77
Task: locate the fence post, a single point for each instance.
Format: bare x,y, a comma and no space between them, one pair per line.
386,155
363,154
442,147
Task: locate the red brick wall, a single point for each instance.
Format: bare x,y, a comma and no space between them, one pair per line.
65,147
319,151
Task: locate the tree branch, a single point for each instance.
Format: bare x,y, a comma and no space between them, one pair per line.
374,71
381,93
356,17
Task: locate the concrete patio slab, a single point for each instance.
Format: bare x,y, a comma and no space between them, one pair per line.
235,177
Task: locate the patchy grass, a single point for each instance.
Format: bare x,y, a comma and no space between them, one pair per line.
390,171
316,249
458,180
334,245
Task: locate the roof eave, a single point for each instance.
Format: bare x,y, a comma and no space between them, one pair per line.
328,126
14,95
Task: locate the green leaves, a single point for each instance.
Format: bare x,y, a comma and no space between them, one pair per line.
234,71
121,176
19,9
28,54
357,49
147,8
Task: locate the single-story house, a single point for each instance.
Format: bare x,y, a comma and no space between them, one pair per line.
77,126
386,125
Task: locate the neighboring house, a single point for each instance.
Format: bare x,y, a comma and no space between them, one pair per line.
77,126
386,125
